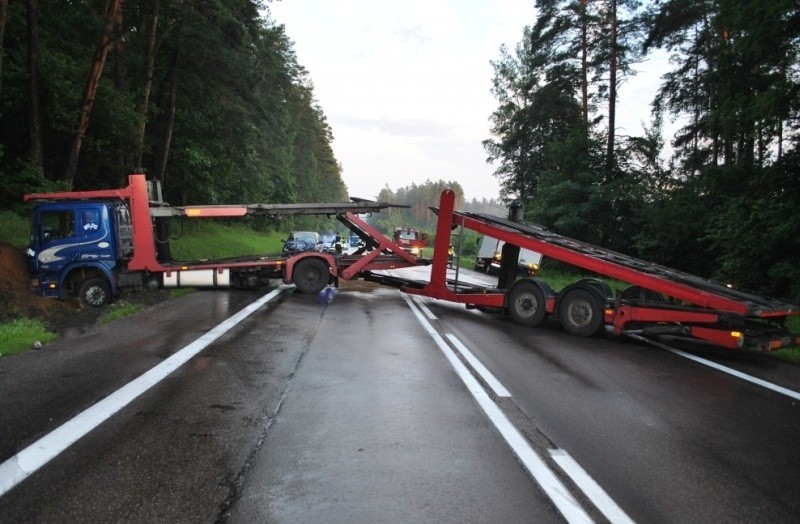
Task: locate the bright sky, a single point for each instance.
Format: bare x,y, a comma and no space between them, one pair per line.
406,85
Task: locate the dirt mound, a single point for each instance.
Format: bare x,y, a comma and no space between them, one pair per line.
16,297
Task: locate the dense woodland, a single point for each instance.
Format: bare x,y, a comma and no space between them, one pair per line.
209,97
719,198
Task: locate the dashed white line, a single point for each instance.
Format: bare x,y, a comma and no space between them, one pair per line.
17,468
479,368
590,488
570,509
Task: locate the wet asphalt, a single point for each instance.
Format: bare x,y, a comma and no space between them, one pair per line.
348,412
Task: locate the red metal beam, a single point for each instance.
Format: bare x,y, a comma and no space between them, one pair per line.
603,267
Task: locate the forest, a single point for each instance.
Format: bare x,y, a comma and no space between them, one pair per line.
209,97
717,199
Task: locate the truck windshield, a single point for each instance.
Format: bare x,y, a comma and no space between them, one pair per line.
57,224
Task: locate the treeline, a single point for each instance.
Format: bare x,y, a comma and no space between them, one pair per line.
724,204
419,198
206,96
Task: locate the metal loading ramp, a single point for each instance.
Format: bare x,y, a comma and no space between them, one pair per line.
756,305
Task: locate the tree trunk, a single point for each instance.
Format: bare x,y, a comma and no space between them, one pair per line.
3,16
585,62
612,89
148,82
96,70
161,171
37,156
119,81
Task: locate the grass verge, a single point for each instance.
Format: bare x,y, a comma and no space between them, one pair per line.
14,229
21,334
119,310
212,240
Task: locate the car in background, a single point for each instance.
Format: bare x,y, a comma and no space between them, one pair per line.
300,241
328,242
355,241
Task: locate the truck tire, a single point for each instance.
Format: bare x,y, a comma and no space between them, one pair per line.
311,275
94,292
580,313
527,304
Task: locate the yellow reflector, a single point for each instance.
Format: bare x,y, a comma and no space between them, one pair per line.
193,212
184,268
736,334
52,286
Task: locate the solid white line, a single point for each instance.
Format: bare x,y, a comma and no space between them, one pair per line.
478,366
547,480
20,466
763,383
738,374
590,488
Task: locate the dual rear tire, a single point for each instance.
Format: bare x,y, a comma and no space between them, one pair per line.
579,309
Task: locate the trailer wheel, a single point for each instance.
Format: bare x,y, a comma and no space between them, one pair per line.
94,292
311,275
580,313
527,304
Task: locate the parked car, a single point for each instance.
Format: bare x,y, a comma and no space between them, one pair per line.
300,241
355,241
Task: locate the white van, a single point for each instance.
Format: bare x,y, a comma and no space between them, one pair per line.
488,259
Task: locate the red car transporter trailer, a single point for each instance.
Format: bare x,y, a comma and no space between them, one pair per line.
130,246
659,301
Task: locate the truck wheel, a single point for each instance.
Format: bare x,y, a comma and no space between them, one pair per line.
580,313
526,304
311,275
94,292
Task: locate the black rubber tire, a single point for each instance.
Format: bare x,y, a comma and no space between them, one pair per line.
580,313
527,304
94,292
311,275
640,295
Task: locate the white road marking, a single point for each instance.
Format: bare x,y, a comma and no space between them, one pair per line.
738,374
424,308
547,480
590,488
478,366
20,466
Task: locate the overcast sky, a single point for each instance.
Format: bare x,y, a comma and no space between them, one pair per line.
406,85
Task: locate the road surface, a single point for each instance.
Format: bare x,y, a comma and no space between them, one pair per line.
379,407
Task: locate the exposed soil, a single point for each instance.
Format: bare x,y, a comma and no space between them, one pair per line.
63,317
66,317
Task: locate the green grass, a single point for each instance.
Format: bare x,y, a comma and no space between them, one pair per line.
14,229
214,240
119,309
181,291
20,335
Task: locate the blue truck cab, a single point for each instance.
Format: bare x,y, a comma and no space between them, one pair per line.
78,248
